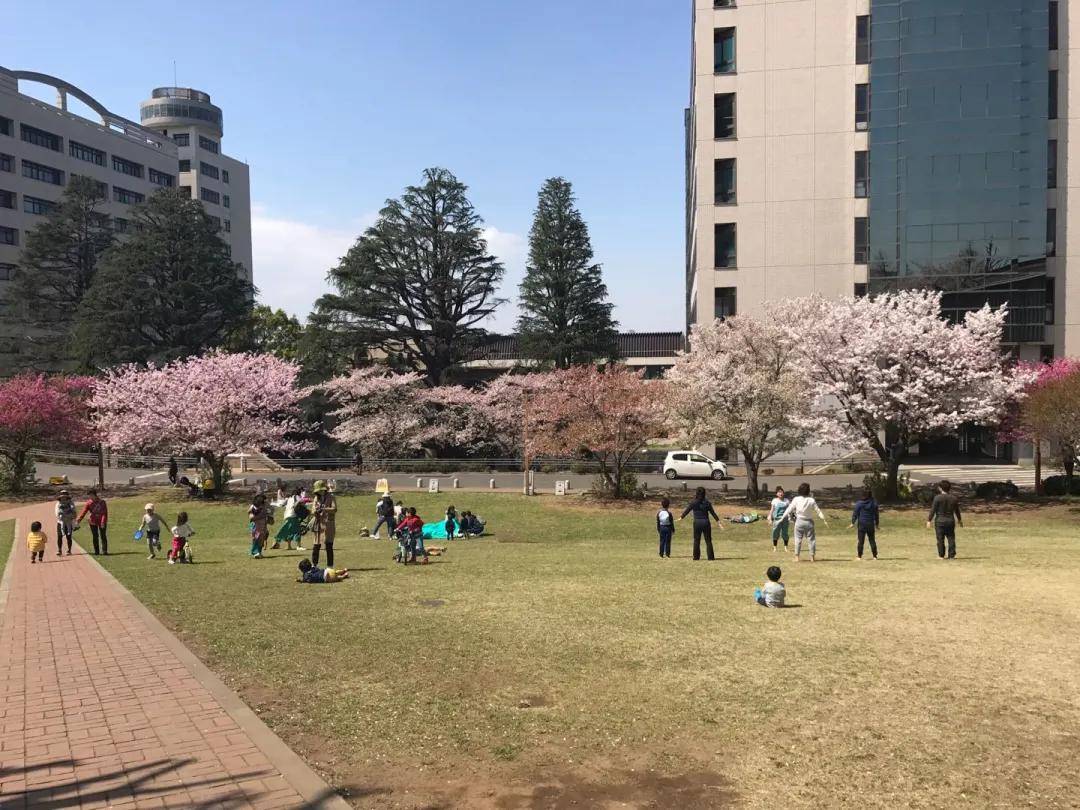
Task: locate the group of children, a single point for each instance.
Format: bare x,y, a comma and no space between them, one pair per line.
391,514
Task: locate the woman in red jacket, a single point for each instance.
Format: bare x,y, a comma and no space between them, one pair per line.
99,517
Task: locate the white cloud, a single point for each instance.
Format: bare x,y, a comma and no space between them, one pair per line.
511,248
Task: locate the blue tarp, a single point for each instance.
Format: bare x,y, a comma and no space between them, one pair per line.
437,531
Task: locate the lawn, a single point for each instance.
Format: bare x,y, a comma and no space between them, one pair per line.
7,536
560,663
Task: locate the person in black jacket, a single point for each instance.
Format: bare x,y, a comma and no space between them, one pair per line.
702,510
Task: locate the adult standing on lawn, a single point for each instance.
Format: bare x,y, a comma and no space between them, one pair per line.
802,508
174,470
866,520
703,510
325,509
98,510
384,511
945,517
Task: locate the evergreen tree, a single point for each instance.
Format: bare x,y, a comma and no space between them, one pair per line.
56,269
169,290
565,317
267,331
419,282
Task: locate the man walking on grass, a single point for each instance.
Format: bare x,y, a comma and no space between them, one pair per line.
945,517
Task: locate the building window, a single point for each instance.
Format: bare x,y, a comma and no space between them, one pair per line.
102,188
216,221
1052,101
224,175
40,137
1053,25
87,153
862,106
860,290
226,201
862,240
120,225
46,174
862,173
7,126
725,302
186,190
862,39
1051,164
36,205
1050,301
209,170
1046,354
181,139
724,234
724,181
178,111
228,226
185,166
7,272
1051,232
7,199
7,163
127,167
209,195
208,145
723,4
724,115
724,50
123,195
8,236
162,179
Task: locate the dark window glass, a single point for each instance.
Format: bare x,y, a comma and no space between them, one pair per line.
209,170
862,39
228,226
161,178
225,201
1051,231
1053,25
1052,99
1046,354
7,163
724,115
8,236
35,205
1051,301
1051,164
224,175
7,126
724,181
186,190
127,167
723,4
7,199
217,222
726,301
210,196
46,174
862,173
102,188
7,272
87,153
208,145
185,165
178,111
123,195
724,234
182,139
860,291
40,137
862,106
862,241
724,50
120,225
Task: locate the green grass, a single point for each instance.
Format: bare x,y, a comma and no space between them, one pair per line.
7,538
559,660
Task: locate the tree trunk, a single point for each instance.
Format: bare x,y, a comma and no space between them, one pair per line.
217,470
892,484
753,489
1038,467
1069,465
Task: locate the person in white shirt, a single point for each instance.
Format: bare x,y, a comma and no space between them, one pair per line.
665,527
801,508
182,532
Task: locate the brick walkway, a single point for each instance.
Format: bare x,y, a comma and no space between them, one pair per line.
103,707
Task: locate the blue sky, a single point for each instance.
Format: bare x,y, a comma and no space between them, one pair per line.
338,105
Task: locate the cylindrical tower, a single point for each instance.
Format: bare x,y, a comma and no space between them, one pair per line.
172,108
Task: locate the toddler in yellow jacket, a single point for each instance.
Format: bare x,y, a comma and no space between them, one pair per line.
35,541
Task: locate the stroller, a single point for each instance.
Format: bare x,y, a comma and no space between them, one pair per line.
409,545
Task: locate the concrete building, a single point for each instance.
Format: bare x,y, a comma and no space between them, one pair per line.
843,147
42,146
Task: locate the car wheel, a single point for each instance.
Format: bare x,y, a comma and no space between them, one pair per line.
718,475
670,475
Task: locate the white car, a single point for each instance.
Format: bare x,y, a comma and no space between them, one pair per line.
688,464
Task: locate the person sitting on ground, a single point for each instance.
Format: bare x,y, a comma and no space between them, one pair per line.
471,525
773,592
36,541
866,518
312,574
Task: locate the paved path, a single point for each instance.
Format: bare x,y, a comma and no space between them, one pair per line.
103,707
1023,477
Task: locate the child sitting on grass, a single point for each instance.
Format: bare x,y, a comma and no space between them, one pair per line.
181,550
310,573
35,541
773,592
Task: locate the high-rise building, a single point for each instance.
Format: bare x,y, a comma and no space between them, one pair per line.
846,147
43,145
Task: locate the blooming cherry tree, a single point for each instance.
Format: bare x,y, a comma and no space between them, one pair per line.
1049,413
39,411
888,372
212,406
740,386
377,411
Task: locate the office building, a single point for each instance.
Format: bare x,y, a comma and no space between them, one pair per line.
847,147
43,145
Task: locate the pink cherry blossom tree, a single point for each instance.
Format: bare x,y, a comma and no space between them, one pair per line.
211,406
377,411
740,386
888,372
39,411
609,413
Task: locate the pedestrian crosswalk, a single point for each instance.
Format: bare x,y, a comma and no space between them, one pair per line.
975,473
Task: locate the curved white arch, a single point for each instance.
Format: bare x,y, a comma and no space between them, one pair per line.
70,89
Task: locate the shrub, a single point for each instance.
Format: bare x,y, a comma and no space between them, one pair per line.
13,479
629,487
878,484
1055,485
997,490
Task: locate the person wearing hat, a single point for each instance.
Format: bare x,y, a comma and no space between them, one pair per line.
65,521
151,528
325,511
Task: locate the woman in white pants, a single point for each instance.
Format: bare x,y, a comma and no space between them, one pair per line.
801,508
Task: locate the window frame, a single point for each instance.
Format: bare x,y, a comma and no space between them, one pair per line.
731,116
862,117
729,295
862,39
730,260
722,37
862,156
861,229
731,195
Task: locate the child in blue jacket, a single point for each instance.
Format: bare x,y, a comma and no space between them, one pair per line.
867,520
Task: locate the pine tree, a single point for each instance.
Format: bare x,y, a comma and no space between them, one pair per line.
565,317
169,290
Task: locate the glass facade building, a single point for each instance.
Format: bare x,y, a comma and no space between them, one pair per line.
959,153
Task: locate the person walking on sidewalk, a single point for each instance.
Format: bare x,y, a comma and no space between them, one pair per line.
36,540
866,520
65,521
703,510
945,517
802,508
98,510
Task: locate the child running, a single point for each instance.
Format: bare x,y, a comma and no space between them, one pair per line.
866,518
181,534
151,528
36,541
312,574
777,520
801,507
65,521
665,527
773,592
